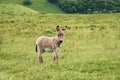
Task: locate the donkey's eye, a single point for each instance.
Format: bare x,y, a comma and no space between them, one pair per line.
58,34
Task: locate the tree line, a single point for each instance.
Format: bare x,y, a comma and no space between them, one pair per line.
88,6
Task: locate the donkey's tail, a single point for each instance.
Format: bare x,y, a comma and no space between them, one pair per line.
36,48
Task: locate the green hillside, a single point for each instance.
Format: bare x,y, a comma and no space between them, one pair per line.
90,50
42,6
15,9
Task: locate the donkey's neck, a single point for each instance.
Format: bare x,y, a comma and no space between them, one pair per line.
57,42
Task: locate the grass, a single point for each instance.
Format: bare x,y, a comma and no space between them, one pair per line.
90,50
42,6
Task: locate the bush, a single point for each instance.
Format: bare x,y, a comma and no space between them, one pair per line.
49,32
1,39
88,6
0,43
27,2
53,1
68,6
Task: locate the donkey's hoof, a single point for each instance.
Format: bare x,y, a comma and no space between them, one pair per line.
40,61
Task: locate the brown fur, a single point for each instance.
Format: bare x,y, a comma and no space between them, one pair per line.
51,44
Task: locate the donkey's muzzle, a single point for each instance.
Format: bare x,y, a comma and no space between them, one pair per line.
61,41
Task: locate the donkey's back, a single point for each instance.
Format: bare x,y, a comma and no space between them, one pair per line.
44,43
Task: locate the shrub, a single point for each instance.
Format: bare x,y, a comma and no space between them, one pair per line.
1,39
27,2
48,32
88,6
68,6
53,1
0,42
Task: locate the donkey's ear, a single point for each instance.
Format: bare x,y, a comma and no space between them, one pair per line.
64,28
57,28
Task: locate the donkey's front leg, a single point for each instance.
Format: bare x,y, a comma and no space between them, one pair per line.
56,56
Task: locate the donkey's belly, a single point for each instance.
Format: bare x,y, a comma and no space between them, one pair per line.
48,49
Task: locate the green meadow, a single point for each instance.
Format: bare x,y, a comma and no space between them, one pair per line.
90,51
42,6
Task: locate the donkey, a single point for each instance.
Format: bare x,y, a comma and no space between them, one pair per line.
51,44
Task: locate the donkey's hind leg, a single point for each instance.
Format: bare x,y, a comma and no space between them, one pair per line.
40,59
40,56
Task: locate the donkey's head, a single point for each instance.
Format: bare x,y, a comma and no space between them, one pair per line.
60,33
